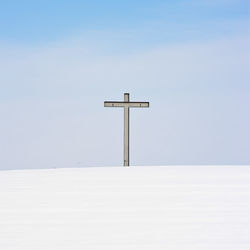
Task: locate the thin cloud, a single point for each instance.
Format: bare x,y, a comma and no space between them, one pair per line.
52,105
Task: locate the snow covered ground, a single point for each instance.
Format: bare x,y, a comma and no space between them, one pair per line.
173,207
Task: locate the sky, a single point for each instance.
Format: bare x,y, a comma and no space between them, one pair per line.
60,60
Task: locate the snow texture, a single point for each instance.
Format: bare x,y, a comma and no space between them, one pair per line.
173,207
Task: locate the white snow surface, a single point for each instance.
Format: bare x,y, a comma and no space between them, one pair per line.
172,207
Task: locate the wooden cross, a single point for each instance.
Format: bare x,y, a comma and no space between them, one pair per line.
126,105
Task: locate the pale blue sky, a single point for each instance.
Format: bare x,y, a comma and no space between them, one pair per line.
190,59
158,21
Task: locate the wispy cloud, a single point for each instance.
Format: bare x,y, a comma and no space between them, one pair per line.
52,104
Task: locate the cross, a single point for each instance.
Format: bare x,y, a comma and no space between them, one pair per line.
126,105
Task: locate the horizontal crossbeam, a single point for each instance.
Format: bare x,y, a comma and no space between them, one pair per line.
127,104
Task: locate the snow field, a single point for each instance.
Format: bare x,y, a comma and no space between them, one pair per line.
168,207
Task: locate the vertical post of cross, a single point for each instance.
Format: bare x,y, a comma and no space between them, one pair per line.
126,131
